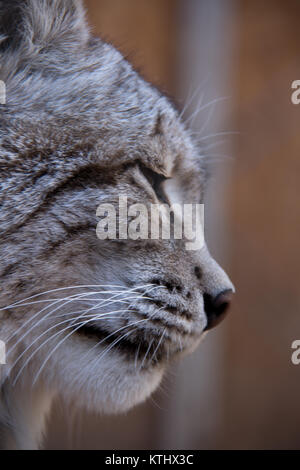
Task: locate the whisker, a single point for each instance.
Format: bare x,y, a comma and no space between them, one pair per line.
71,324
158,345
117,341
60,342
60,332
50,291
217,134
137,355
42,319
56,290
64,298
205,106
21,303
122,301
80,324
191,98
146,354
92,308
88,318
115,332
77,296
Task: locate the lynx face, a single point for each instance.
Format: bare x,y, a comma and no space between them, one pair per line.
96,320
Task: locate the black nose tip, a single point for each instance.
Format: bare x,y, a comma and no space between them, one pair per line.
216,307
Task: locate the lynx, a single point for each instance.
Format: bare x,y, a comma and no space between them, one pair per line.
97,321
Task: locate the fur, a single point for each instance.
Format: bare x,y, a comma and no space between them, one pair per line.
77,126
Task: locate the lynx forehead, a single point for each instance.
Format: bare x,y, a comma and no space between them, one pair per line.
95,320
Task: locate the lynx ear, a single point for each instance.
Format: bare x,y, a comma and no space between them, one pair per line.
33,26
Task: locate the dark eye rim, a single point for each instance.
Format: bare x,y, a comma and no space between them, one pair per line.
155,180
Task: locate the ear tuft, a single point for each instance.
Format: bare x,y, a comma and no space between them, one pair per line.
30,26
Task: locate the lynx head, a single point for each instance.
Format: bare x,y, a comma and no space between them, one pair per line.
97,320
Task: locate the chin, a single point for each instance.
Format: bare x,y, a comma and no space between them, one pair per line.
96,370
111,384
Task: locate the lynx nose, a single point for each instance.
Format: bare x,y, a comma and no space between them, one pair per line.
216,307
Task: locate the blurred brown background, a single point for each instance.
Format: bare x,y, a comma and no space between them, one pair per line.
240,389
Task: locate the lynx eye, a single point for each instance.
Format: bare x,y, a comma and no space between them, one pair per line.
155,180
